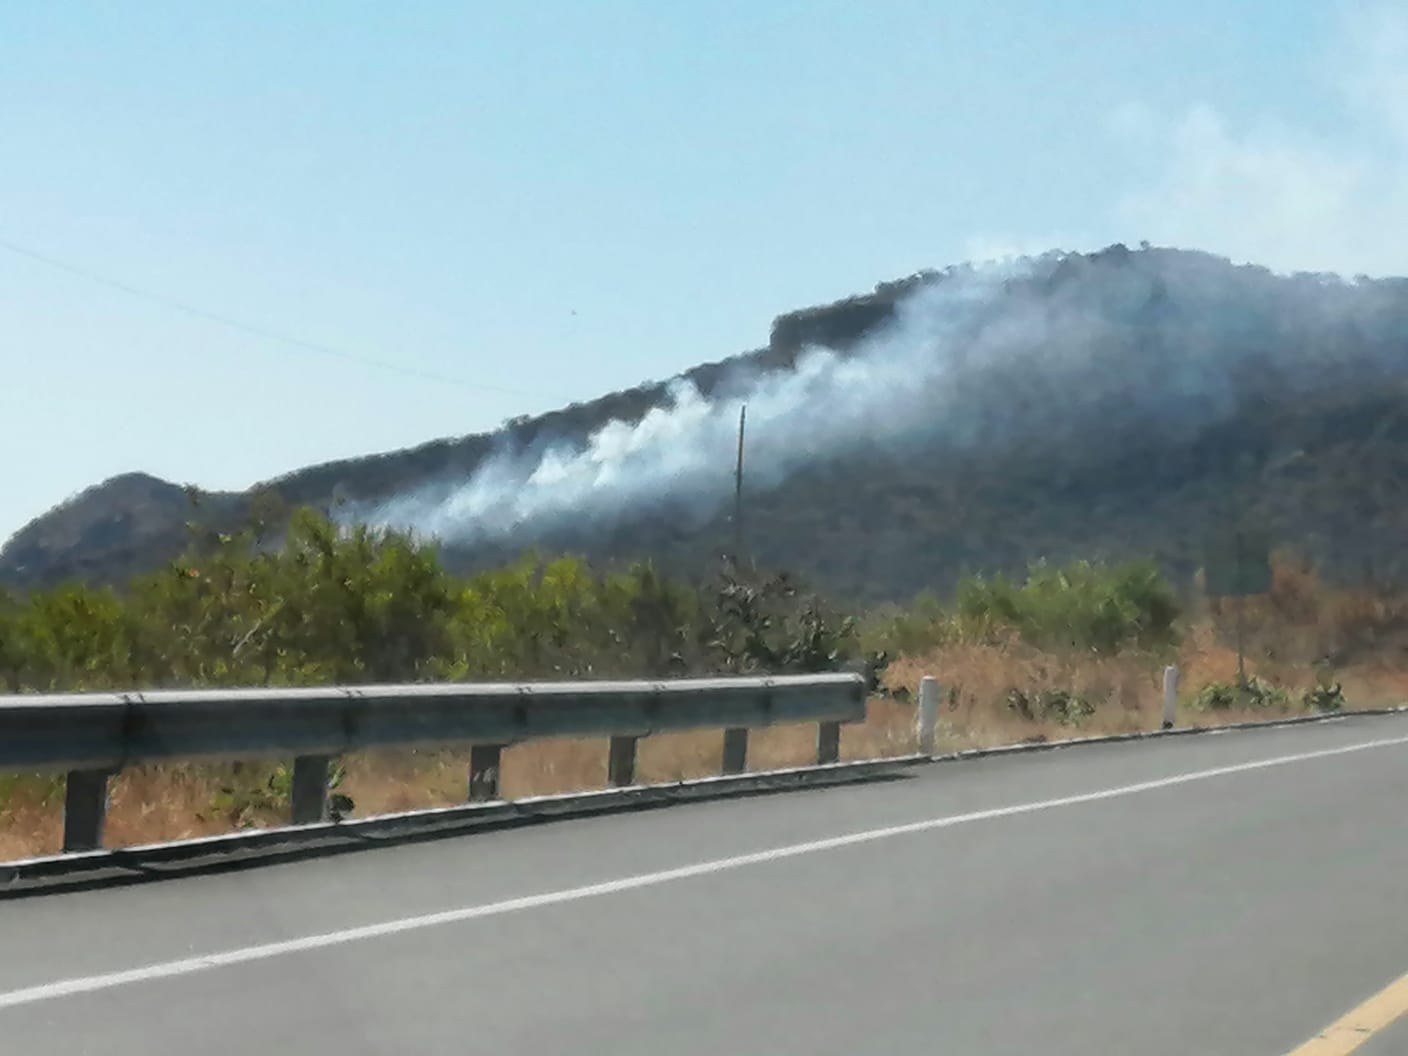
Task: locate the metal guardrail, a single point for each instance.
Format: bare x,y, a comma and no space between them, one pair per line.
93,735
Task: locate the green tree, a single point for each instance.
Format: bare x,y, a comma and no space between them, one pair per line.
74,638
12,652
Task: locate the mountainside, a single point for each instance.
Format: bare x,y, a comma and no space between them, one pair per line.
111,531
1122,402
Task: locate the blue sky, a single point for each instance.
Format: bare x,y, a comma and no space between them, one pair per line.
545,202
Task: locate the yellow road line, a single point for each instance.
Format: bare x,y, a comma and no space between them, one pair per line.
1357,1026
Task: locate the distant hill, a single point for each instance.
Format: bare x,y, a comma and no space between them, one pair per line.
111,531
1154,395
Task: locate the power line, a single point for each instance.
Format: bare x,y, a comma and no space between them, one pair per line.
256,331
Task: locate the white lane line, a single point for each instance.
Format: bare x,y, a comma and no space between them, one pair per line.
187,966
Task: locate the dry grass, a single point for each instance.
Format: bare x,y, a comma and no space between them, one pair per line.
29,827
977,678
1299,623
1286,634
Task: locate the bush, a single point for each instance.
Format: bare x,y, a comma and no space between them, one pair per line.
911,631
1223,696
767,624
1081,606
1324,698
1050,705
249,791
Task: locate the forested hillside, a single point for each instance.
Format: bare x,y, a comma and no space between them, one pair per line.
1147,398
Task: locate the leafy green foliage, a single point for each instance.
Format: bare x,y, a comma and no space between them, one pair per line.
911,630
359,606
560,619
12,655
246,791
1324,697
34,788
767,624
1256,693
1050,705
1081,606
68,638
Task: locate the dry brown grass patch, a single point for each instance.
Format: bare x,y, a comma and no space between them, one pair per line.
976,681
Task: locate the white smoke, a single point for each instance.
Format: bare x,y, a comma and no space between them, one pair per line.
681,453
1064,354
1276,189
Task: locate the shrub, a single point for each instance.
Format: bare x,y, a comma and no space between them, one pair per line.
908,631
1222,696
1324,698
249,790
1050,705
767,624
1080,606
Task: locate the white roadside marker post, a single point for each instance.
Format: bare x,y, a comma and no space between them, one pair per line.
927,717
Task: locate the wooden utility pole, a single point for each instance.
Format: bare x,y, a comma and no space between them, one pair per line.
738,491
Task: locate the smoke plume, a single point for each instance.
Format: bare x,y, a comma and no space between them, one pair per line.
1064,351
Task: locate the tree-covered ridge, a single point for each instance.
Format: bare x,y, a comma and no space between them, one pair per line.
1136,439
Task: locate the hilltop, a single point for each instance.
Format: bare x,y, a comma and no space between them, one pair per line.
134,521
1164,393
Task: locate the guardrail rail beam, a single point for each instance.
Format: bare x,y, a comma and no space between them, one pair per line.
91,736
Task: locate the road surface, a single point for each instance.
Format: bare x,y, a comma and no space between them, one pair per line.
1231,893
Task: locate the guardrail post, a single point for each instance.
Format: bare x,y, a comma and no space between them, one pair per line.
310,789
1170,695
927,717
828,734
484,763
85,809
621,762
735,750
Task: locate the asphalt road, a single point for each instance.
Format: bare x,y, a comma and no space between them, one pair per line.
1020,904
